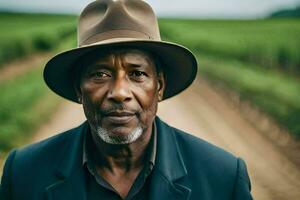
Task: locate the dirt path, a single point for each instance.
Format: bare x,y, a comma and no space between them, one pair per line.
20,66
203,112
69,115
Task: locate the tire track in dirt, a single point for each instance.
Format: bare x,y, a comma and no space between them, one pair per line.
205,113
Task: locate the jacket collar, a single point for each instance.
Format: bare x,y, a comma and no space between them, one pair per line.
169,167
70,173
72,153
169,159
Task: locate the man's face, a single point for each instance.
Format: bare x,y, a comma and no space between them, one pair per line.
120,91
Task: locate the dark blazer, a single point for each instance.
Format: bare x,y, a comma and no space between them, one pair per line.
185,168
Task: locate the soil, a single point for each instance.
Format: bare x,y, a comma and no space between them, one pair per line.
22,65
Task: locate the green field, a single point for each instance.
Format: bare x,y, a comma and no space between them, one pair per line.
22,34
25,101
268,43
259,59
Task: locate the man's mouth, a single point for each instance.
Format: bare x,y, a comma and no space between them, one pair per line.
119,117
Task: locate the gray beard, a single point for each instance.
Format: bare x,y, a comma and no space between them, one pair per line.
110,138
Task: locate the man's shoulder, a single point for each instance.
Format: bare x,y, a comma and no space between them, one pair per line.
40,163
48,148
201,154
189,142
203,162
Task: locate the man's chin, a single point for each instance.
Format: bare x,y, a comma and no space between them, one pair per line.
119,135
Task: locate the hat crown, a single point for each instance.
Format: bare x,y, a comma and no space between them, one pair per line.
109,19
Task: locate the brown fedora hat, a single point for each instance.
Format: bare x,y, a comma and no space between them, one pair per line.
108,24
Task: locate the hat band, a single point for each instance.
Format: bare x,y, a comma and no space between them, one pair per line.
115,34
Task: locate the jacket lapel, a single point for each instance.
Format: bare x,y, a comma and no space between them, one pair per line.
161,188
169,170
70,175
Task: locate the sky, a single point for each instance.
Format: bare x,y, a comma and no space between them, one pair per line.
175,8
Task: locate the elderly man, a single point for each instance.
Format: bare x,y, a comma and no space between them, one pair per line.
119,73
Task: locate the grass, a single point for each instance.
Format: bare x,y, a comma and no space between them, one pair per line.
22,34
275,93
270,44
259,59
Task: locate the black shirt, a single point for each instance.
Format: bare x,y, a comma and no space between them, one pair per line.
98,188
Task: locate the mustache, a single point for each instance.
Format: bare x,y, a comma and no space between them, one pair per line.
116,108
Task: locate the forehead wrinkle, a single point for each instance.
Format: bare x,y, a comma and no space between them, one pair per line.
137,60
105,60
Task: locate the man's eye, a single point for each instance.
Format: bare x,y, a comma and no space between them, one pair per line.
138,74
100,75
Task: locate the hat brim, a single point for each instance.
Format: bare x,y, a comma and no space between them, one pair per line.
178,63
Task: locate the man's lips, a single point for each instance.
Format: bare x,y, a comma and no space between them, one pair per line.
119,117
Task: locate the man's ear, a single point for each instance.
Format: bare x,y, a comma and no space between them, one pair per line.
161,85
77,74
78,92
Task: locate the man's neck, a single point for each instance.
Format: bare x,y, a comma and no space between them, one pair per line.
120,164
122,158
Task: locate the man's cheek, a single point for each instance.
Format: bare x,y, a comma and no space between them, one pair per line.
149,113
90,112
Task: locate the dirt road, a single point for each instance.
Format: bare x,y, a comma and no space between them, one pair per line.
205,113
22,65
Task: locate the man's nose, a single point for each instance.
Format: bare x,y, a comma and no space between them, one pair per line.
119,90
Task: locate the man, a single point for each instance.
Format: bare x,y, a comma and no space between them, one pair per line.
119,73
